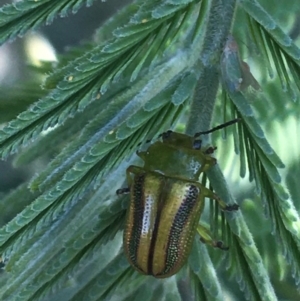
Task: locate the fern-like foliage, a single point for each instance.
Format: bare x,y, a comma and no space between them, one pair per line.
145,67
19,17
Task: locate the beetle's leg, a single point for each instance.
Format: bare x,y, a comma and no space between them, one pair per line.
125,190
206,161
209,194
131,169
198,144
210,150
135,170
206,237
142,155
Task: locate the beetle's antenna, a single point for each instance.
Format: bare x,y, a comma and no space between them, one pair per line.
218,127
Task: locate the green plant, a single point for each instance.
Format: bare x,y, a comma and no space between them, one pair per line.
155,60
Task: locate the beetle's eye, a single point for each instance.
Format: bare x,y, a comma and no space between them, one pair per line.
166,134
197,144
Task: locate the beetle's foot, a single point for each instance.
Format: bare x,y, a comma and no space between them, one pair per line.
233,207
220,245
210,150
215,243
202,240
123,191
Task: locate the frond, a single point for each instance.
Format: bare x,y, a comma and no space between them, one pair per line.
17,18
146,66
277,47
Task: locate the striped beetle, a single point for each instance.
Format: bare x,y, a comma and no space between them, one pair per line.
166,202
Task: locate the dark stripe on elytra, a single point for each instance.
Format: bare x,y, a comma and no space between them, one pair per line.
181,218
160,204
137,224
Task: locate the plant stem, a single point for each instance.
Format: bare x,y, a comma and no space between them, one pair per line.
218,25
217,29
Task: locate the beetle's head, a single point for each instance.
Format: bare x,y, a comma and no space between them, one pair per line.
178,139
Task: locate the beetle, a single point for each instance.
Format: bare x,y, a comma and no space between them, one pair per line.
166,202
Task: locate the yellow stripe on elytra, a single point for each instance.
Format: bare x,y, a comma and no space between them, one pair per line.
172,202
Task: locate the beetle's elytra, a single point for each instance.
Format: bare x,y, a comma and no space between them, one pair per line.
166,201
